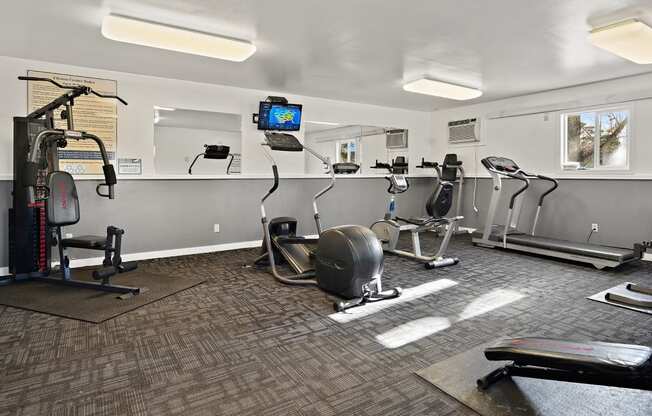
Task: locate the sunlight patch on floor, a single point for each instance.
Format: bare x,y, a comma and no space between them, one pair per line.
412,331
423,327
409,294
488,302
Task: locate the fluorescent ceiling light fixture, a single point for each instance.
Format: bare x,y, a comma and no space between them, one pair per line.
442,89
630,39
156,107
155,35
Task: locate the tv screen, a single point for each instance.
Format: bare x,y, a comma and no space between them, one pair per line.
275,116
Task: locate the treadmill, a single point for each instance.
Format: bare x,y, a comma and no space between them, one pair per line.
509,237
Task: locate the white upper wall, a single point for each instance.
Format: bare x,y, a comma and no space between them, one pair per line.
534,140
135,121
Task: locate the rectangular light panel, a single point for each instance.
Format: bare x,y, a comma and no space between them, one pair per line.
125,29
442,89
631,39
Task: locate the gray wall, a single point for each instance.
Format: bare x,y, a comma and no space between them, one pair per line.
166,214
169,214
621,207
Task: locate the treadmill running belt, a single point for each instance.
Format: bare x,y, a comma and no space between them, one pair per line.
620,255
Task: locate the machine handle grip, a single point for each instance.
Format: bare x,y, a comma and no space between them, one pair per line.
555,184
81,88
51,81
275,186
115,97
110,191
109,181
193,163
522,189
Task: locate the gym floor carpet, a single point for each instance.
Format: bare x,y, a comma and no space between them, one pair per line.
243,344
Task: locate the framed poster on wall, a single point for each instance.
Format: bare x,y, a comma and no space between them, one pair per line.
93,115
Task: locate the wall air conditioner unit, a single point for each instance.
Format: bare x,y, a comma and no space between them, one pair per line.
464,131
396,138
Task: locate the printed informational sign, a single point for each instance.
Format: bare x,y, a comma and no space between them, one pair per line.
130,166
98,116
236,164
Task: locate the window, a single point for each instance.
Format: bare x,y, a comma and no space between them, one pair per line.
347,151
596,139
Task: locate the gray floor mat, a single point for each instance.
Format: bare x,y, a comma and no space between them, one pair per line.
601,297
457,376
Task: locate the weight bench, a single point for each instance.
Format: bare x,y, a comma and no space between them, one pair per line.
600,363
63,209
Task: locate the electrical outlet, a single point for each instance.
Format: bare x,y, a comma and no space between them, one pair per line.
68,235
595,227
216,228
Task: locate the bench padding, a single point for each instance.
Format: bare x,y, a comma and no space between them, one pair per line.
599,357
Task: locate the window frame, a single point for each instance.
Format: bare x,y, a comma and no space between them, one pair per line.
338,143
566,165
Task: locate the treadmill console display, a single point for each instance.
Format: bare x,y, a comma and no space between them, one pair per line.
399,182
500,163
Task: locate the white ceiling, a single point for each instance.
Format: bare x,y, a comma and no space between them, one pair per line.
352,50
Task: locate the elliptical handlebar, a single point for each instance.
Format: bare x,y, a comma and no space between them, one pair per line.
289,145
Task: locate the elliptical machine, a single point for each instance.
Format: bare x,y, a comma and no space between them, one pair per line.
439,203
346,261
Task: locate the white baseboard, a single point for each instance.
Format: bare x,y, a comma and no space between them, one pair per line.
146,255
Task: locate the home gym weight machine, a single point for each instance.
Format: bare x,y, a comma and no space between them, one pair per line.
437,206
45,199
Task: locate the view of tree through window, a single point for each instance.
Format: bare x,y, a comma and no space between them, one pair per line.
586,149
347,151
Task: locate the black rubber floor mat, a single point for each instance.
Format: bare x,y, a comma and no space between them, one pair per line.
92,305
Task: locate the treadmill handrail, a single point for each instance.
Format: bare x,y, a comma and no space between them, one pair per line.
555,184
526,184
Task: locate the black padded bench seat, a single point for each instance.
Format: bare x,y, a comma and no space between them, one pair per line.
601,363
91,242
617,254
586,356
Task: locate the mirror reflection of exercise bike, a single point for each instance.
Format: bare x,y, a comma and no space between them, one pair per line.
216,152
439,203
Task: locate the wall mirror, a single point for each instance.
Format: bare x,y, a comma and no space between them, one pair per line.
358,144
212,140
